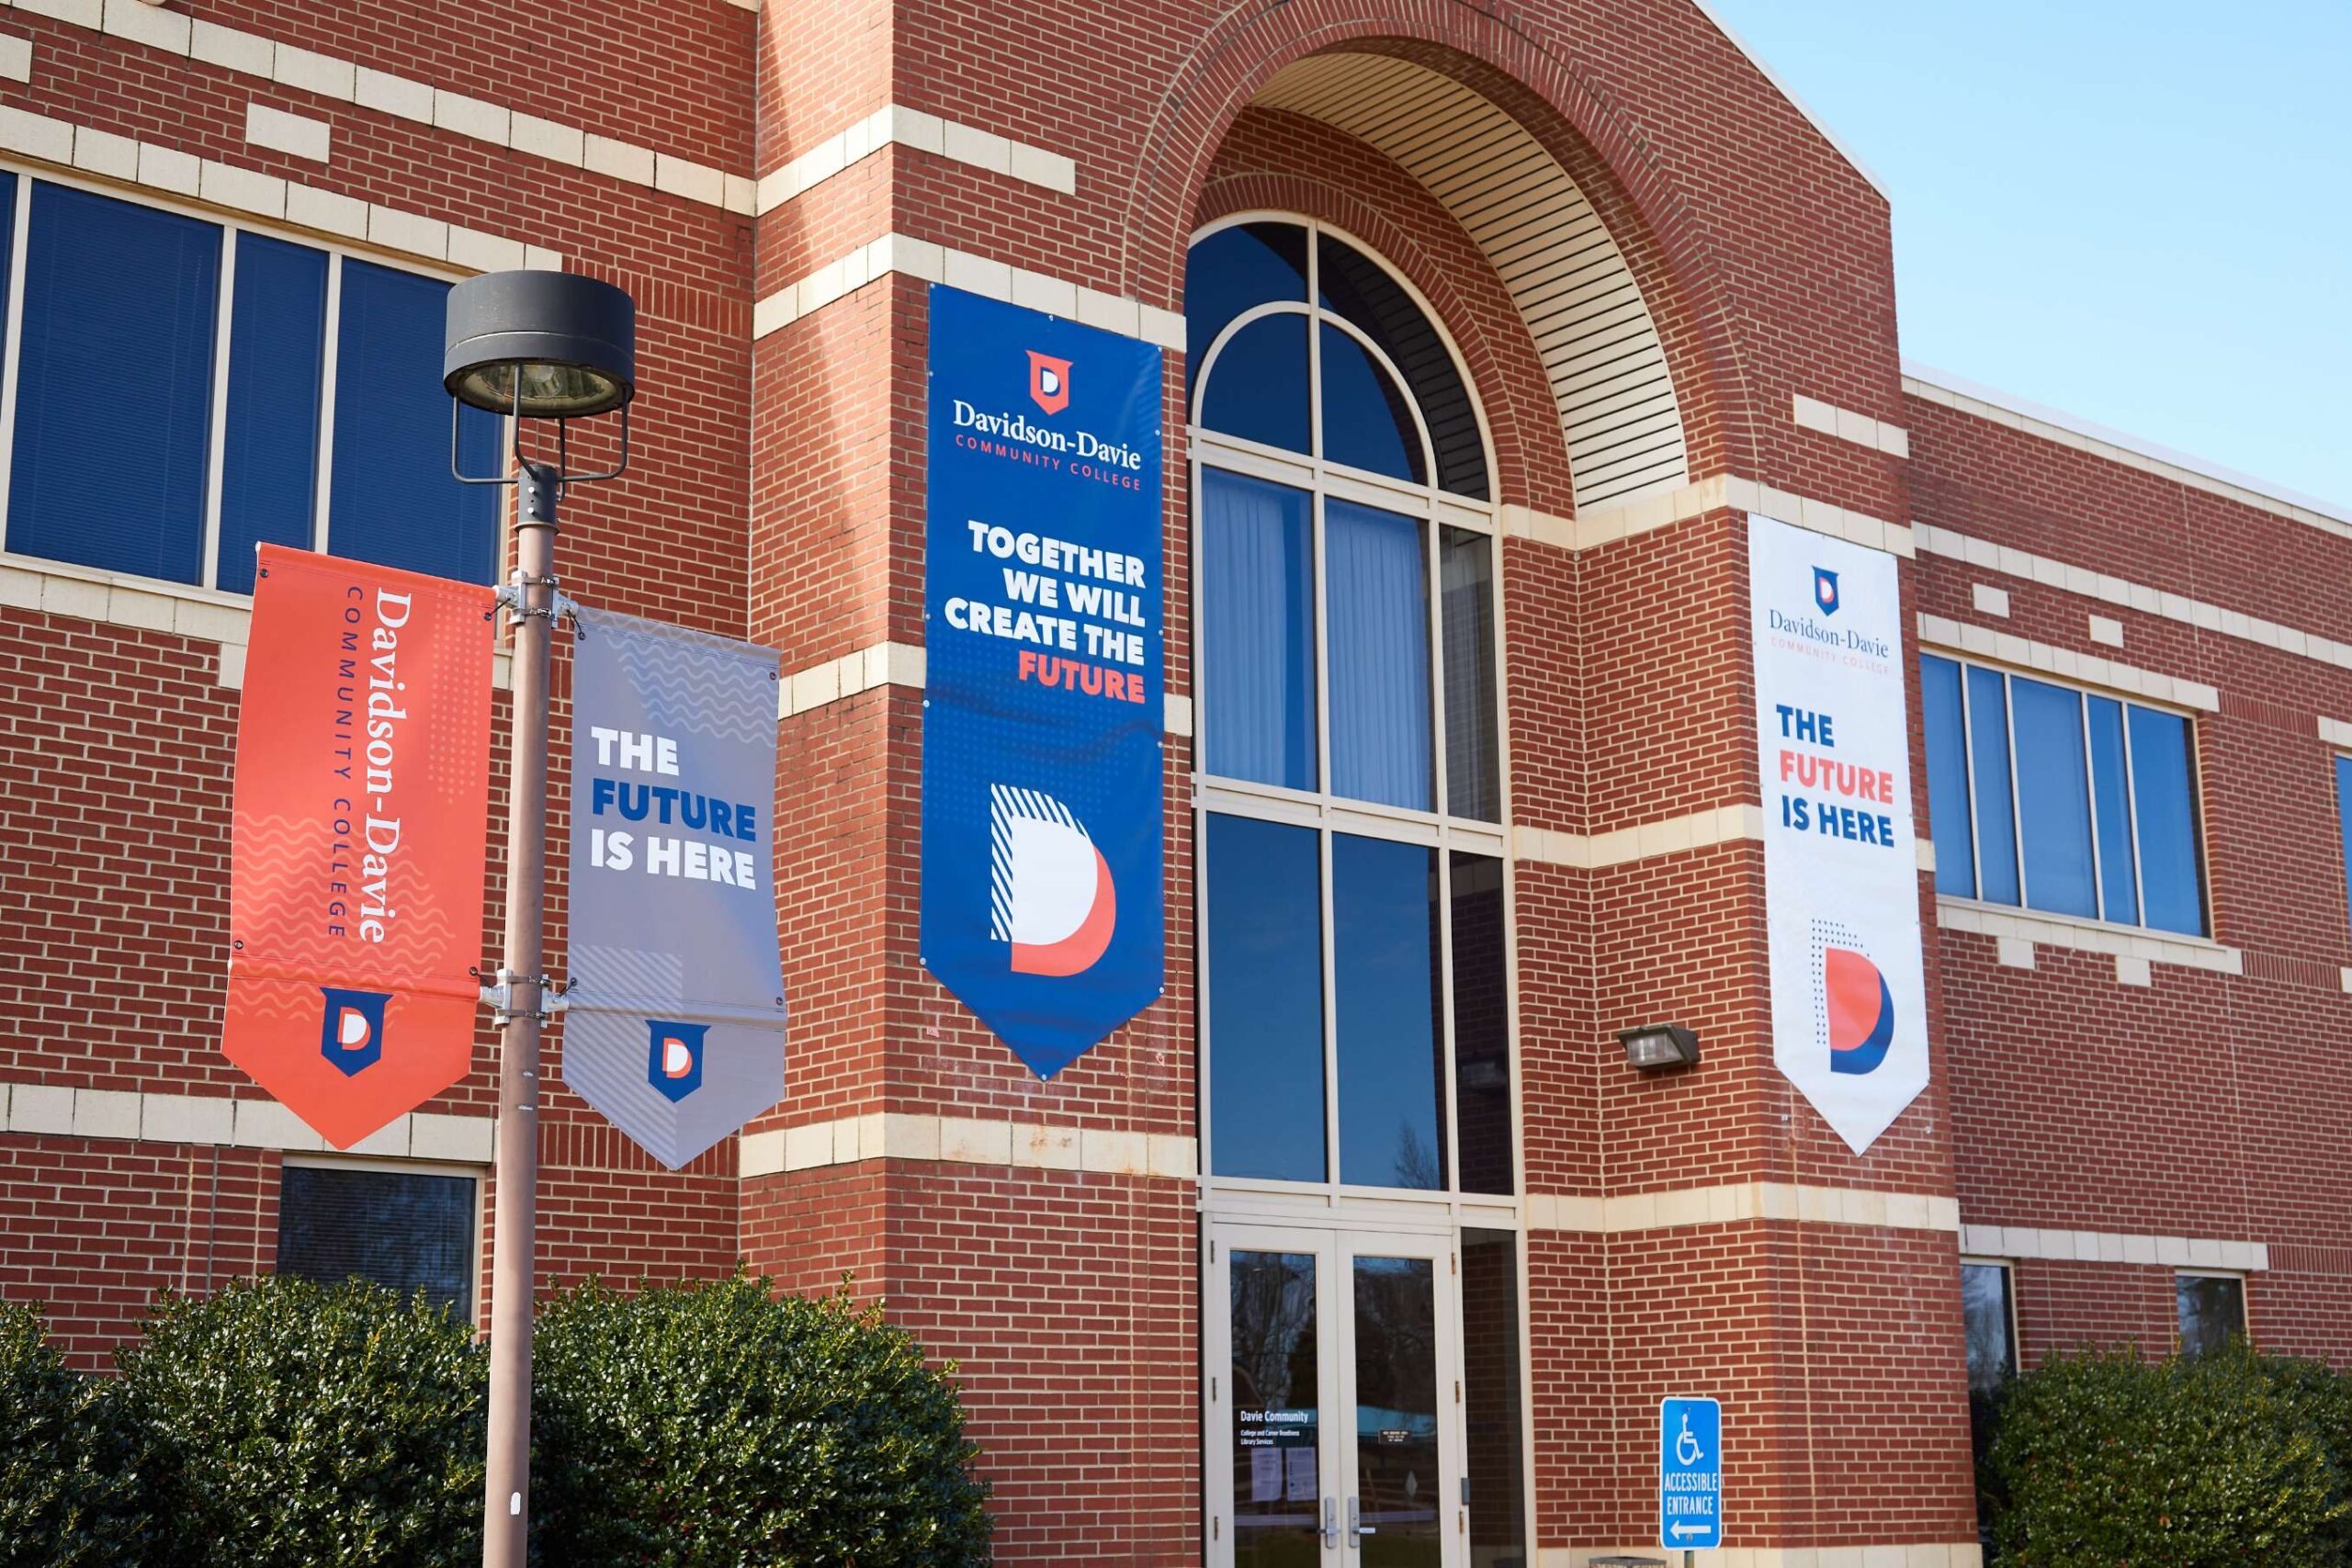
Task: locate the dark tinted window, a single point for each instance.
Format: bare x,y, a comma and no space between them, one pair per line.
1355,287
1258,386
1481,1026
121,306
2053,787
2163,782
269,461
394,502
406,1232
1384,957
1947,777
1366,423
2212,1309
1234,270
1265,992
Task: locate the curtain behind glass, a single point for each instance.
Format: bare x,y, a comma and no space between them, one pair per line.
1257,631
1377,589
1473,771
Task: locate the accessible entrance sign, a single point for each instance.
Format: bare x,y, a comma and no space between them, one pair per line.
1690,1472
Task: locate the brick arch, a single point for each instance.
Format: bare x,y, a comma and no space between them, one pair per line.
1287,162
1538,82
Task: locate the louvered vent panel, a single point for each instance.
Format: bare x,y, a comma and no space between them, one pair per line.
1599,345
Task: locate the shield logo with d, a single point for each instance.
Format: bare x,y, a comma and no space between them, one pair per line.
1048,381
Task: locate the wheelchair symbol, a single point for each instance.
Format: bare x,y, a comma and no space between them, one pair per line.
1686,1447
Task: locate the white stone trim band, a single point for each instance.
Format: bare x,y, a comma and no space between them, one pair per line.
1661,509
2132,946
69,146
1812,414
1984,553
1667,836
977,275
884,664
960,1140
1736,1202
1950,636
895,124
214,1120
2112,1246
252,54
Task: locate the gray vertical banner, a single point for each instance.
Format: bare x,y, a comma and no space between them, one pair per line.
674,1023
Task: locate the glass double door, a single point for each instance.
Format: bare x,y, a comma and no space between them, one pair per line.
1334,1429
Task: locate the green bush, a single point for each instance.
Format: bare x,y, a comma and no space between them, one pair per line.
2108,1459
720,1423
290,1424
69,1480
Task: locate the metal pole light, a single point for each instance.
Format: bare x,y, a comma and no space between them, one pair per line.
533,346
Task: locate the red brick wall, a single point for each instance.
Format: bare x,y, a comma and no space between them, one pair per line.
2203,1105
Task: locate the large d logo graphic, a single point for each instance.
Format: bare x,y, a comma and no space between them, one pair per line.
1048,381
1051,894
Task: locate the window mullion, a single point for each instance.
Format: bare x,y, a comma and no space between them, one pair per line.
224,313
327,356
19,242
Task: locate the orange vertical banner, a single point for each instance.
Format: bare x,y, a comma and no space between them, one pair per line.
361,836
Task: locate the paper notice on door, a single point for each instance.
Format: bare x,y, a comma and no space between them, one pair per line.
1298,1466
1265,1475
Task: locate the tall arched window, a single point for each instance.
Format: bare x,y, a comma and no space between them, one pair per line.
1349,729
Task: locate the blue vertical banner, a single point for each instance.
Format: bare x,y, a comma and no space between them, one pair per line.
1042,711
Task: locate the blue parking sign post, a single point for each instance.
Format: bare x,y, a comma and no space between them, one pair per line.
1689,1474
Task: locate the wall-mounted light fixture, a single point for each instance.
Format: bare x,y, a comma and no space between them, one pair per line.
1657,1046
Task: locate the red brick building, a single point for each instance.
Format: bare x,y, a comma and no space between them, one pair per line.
1556,296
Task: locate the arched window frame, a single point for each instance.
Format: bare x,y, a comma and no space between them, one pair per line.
1322,807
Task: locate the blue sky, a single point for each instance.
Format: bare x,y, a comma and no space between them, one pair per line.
2140,214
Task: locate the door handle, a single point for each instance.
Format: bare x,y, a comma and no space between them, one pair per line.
1330,1531
1357,1529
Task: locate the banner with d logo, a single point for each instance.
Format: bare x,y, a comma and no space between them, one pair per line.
675,1027
361,823
1042,703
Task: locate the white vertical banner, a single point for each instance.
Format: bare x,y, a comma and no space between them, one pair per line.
1841,877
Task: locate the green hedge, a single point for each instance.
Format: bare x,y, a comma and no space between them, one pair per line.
722,1424
286,1423
2107,1460
69,1472
281,1423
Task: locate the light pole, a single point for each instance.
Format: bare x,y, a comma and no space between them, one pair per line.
533,346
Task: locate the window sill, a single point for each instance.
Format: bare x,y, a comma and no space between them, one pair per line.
2087,936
